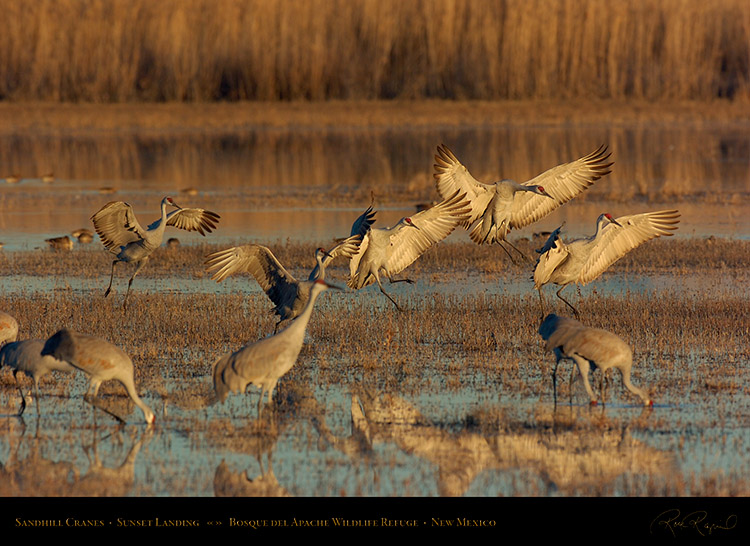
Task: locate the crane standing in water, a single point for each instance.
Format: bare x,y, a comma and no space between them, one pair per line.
590,348
264,362
26,356
101,361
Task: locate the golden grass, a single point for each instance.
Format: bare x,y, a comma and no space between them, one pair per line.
203,50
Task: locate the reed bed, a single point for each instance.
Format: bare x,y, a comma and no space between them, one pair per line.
202,50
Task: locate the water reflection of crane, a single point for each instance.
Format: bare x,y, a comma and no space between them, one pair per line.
122,234
582,260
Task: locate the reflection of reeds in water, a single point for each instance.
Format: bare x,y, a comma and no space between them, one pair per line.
267,169
126,50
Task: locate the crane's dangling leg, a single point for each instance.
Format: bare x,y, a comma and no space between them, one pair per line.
499,242
575,311
524,256
130,282
111,276
377,278
541,302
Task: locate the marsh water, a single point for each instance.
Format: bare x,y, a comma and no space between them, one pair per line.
343,438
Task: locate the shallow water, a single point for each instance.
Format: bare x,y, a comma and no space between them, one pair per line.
467,434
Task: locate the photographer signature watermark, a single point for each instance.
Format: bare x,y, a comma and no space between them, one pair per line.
698,521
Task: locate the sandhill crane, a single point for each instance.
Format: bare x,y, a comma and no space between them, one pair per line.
589,348
124,237
60,243
287,293
26,356
395,248
498,208
101,361
8,328
263,362
582,260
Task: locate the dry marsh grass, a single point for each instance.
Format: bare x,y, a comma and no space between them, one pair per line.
202,50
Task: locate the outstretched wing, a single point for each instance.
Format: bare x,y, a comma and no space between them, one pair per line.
451,177
363,223
434,224
278,284
616,241
562,183
200,220
344,249
116,225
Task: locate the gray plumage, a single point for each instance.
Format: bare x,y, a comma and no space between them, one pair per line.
395,248
101,361
122,234
590,348
288,294
499,207
26,356
264,362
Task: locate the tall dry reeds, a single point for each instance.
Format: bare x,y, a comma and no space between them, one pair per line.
199,50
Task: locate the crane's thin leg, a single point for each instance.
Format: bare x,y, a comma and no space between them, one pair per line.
575,311
541,301
387,295
20,390
554,383
111,276
514,248
506,251
130,282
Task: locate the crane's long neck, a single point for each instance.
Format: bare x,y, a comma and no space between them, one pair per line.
133,393
300,323
632,388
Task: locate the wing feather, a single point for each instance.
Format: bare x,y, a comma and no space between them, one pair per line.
616,241
279,285
434,224
562,183
116,225
452,177
200,220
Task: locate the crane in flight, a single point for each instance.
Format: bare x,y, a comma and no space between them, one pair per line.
288,294
499,207
122,234
101,361
580,261
393,249
264,362
589,348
